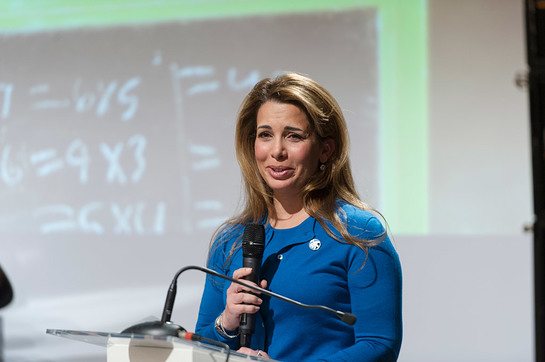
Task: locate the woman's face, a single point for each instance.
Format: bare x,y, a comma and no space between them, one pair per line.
287,152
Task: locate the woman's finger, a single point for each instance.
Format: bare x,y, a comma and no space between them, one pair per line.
251,352
241,272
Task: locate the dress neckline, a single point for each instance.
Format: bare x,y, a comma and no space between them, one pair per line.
304,224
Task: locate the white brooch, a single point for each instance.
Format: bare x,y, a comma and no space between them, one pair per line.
314,244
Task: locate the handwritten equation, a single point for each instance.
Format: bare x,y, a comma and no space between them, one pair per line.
15,165
100,166
98,99
138,218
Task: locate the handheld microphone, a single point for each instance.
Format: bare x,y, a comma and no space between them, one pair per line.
253,245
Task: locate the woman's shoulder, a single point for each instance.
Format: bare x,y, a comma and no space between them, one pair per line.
360,223
223,242
227,234
353,212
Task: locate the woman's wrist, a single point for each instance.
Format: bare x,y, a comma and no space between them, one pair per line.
218,325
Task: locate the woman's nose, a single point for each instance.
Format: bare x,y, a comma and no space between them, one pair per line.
278,151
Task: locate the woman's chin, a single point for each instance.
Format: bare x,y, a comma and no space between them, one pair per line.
286,190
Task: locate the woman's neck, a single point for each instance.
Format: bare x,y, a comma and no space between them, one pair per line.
288,214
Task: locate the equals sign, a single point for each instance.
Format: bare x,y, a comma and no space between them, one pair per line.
47,103
51,164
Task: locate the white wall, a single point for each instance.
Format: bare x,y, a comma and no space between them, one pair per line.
468,287
479,121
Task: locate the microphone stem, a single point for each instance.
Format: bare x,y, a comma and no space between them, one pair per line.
339,314
169,302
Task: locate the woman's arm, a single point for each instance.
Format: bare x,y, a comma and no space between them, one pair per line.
229,302
213,299
375,293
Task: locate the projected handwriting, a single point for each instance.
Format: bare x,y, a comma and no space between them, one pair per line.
49,103
207,159
246,83
48,161
133,219
11,172
195,80
112,155
99,99
6,90
208,206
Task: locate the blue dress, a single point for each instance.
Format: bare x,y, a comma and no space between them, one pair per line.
305,264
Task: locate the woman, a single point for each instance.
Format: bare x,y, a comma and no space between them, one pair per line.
322,245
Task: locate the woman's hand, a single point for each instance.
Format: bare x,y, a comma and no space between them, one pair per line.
239,301
251,352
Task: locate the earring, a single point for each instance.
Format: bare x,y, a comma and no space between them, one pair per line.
322,167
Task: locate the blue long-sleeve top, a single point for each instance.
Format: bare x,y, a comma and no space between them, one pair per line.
304,263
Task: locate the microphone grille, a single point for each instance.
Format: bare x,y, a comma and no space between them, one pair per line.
253,240
349,318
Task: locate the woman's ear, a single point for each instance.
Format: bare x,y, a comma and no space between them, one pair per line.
328,147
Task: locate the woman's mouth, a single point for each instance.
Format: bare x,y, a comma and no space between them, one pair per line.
280,172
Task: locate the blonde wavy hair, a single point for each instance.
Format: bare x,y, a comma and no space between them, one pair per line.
326,187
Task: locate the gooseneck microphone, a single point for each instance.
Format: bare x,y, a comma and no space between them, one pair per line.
165,327
253,245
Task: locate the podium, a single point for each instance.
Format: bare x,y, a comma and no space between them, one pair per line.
145,348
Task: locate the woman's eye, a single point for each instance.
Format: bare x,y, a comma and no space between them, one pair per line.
295,137
263,135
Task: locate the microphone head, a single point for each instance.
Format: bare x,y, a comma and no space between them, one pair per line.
253,241
155,328
348,318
